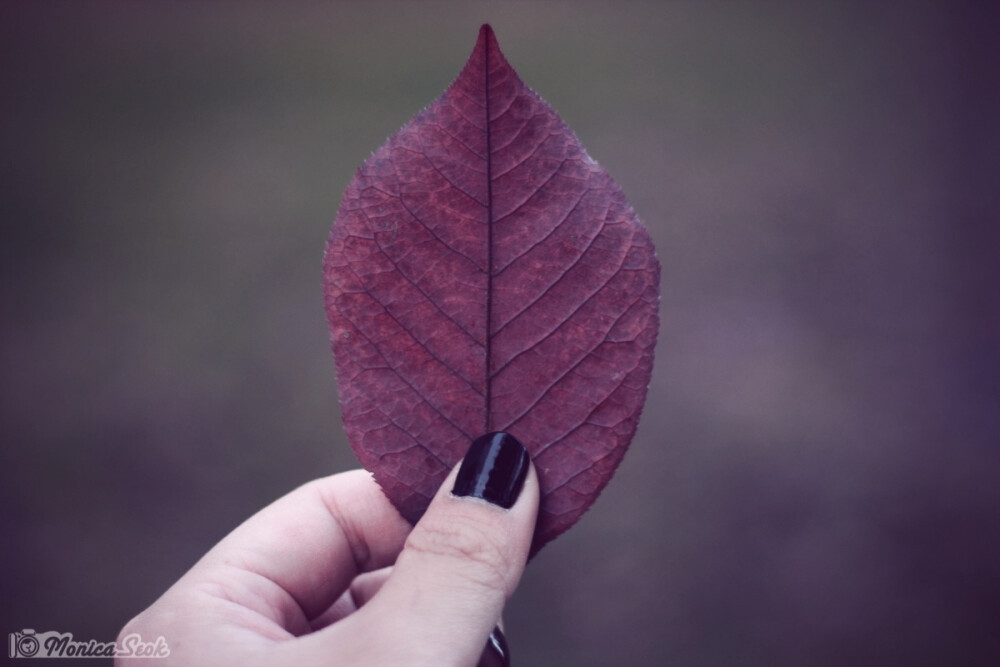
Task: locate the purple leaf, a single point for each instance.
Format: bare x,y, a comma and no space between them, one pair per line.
485,274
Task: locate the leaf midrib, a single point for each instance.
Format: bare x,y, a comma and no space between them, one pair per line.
488,426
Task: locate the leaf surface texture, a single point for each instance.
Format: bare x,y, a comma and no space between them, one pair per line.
485,274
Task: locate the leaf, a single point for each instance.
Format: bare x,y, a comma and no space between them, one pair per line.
485,274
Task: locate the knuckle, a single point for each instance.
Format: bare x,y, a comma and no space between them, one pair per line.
467,545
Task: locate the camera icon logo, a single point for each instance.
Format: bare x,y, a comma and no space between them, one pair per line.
23,644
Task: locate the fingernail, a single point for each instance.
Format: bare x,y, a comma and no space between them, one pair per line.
494,469
496,654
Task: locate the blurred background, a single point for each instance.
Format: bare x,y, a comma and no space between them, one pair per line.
815,479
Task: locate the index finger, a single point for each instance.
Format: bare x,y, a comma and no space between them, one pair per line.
299,554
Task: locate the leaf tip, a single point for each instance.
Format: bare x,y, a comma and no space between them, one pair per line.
487,39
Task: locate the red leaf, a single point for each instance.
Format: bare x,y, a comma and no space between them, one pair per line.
485,274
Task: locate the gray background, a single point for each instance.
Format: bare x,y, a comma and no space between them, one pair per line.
815,479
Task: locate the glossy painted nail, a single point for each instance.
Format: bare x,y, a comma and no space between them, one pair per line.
496,653
494,469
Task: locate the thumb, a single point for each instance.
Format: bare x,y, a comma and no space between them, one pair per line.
463,559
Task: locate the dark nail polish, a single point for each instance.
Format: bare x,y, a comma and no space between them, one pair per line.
494,469
496,653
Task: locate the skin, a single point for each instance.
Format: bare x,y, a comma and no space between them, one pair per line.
330,574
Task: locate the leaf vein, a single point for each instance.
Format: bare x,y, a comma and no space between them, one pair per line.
403,377
563,276
583,358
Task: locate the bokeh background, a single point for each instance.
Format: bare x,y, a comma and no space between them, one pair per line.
815,480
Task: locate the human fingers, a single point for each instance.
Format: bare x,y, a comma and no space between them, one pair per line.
362,589
458,566
286,564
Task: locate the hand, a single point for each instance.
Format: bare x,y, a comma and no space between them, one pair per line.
307,580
